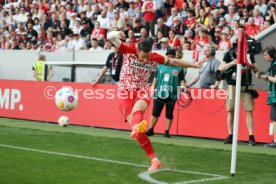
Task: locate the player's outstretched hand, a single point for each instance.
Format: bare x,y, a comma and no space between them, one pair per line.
199,64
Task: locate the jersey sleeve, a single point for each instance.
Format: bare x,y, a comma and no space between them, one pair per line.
158,58
127,49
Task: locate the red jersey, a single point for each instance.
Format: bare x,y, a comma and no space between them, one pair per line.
134,74
190,22
251,30
48,43
148,15
224,44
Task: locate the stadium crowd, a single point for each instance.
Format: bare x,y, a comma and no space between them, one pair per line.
52,25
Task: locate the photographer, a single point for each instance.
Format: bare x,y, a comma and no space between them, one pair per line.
269,55
228,68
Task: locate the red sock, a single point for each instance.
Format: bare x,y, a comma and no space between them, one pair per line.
145,143
142,138
137,117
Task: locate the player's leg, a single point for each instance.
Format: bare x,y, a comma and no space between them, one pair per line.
138,132
156,111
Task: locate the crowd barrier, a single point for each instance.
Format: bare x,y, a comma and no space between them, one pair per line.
205,117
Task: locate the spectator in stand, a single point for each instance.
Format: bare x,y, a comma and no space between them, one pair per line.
191,6
159,36
132,37
245,16
96,12
89,12
231,16
187,46
261,7
188,36
122,3
40,38
174,13
159,9
98,32
148,10
178,27
119,22
144,35
251,29
133,13
60,42
87,20
174,41
85,31
137,27
258,19
224,43
64,30
77,28
271,14
223,23
95,45
31,33
107,45
203,18
73,19
247,4
201,40
204,4
37,26
82,7
123,13
211,28
221,8
105,22
78,42
164,44
49,44
190,21
162,27
29,45
14,45
265,25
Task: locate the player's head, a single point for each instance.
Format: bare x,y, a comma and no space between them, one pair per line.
144,50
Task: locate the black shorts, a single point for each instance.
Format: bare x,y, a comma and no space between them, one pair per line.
158,105
273,112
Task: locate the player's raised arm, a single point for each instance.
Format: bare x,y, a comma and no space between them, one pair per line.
183,64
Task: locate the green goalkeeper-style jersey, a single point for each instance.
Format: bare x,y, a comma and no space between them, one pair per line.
168,79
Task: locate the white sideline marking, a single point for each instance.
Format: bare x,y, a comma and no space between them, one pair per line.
145,175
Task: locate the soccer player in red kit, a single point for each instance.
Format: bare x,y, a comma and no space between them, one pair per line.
137,67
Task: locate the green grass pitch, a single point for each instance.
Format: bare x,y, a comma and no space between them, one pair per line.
43,153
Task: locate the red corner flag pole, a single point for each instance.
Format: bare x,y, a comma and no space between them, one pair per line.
240,58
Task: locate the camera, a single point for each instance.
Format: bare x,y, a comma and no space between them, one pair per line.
222,75
254,47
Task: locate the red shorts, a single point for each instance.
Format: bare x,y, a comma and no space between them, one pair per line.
129,98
